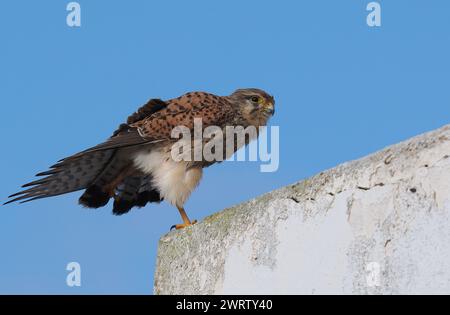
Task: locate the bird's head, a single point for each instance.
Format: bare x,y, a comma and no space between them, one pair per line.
255,104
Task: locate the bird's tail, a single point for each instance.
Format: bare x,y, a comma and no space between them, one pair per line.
104,174
70,174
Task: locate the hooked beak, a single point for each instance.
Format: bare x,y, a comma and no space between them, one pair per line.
270,108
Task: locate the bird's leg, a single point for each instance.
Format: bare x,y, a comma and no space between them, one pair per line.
186,221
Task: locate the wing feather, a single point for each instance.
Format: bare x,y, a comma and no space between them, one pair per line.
211,109
71,174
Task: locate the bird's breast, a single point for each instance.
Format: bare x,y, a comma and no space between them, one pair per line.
174,180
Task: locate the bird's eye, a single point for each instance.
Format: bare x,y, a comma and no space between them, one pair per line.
255,99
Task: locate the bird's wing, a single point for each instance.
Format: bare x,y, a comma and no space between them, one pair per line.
126,135
82,169
154,121
212,110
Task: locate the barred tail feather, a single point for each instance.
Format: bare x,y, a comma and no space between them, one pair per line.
70,174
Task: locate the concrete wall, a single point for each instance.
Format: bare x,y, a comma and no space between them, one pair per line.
379,225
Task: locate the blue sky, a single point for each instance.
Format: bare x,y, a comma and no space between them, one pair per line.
343,90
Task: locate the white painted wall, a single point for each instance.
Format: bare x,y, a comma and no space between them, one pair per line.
379,225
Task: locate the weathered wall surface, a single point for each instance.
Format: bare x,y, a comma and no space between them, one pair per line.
379,225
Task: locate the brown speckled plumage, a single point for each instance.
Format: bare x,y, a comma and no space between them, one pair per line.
115,169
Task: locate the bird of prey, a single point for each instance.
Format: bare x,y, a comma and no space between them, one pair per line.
135,166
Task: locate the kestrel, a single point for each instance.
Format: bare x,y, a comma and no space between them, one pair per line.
135,165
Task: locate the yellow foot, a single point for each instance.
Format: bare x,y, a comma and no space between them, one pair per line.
182,226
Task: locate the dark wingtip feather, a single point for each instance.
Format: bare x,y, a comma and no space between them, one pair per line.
94,197
31,199
16,194
122,206
13,195
36,182
16,199
26,192
50,172
147,196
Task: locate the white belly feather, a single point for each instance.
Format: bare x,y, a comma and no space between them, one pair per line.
173,180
